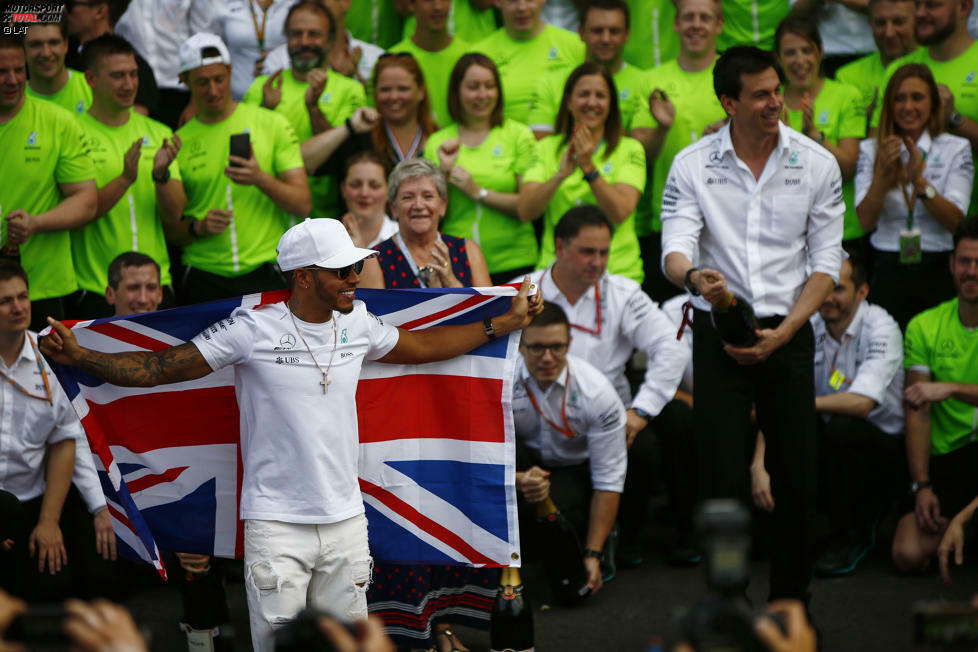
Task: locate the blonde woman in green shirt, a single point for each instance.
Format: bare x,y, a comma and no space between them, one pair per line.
484,157
830,113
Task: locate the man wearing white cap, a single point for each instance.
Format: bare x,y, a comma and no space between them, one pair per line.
237,206
297,365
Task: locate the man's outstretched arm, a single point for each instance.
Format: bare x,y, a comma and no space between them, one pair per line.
130,369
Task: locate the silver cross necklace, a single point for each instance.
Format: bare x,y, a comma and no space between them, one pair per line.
325,381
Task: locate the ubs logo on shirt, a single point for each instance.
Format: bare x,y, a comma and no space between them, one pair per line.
289,359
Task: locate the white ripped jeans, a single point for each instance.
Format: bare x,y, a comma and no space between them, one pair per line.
289,566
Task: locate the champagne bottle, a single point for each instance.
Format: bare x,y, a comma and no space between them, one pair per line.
205,612
564,560
511,623
734,319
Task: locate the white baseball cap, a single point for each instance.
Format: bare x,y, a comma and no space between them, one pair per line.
321,242
191,51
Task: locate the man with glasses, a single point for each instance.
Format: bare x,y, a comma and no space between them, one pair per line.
296,368
570,427
611,317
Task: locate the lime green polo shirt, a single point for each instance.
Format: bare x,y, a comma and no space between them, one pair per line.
696,107
375,21
464,20
43,146
437,68
135,222
74,97
258,223
339,99
626,164
865,74
751,22
936,340
652,40
507,152
839,113
522,63
550,90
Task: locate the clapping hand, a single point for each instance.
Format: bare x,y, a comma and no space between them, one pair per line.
808,117
887,168
317,84
364,119
448,153
166,154
130,161
583,146
915,163
271,90
662,109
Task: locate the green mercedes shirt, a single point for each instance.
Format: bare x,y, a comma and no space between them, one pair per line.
75,96
464,20
550,90
437,68
42,147
652,40
839,113
937,342
696,107
626,164
751,22
257,223
507,152
134,223
375,21
865,74
522,63
339,99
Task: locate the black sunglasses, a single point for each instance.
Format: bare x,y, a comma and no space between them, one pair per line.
343,272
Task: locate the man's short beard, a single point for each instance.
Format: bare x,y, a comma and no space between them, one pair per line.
939,35
301,65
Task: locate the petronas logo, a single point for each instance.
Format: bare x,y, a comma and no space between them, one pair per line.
343,338
32,139
553,52
80,107
145,141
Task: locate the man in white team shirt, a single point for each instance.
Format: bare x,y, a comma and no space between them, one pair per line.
297,365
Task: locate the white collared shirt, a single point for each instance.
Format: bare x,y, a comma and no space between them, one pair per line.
948,167
29,425
629,320
868,361
156,28
595,416
764,235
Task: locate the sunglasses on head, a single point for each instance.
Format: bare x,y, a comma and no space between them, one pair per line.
343,272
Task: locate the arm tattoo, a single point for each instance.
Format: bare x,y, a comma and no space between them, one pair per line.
146,369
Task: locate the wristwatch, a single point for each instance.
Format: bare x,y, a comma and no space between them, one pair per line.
163,178
954,120
487,326
688,282
591,552
917,486
592,176
928,193
483,193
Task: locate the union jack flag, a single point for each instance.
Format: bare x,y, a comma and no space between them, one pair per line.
437,466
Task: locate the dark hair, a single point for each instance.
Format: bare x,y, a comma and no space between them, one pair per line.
462,66
406,61
741,60
873,3
128,259
550,315
803,27
11,42
860,267
935,125
364,156
116,9
612,124
10,269
607,5
575,219
967,230
315,6
104,46
62,26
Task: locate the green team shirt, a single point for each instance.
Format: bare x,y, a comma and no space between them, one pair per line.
507,152
464,20
652,40
134,223
522,63
624,165
42,147
696,107
340,98
936,341
865,74
550,90
258,223
751,22
375,21
959,74
75,97
437,68
839,113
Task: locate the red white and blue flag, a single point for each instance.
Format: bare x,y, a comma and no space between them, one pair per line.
437,464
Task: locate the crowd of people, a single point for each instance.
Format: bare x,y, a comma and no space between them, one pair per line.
643,163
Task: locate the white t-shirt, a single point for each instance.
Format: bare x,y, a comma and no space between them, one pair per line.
594,413
299,447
